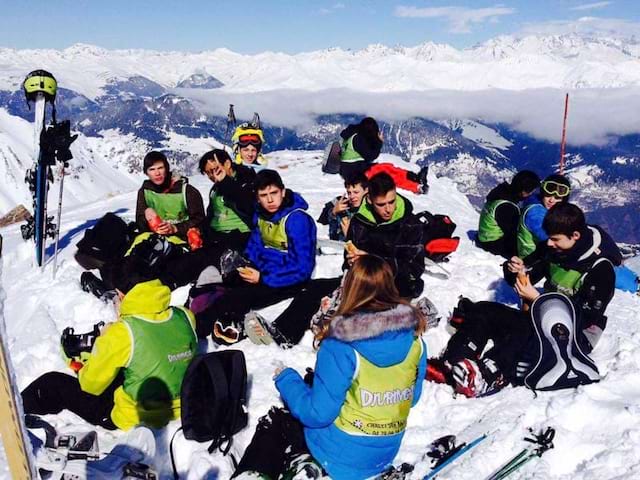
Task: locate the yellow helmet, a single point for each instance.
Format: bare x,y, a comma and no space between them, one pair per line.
40,81
247,134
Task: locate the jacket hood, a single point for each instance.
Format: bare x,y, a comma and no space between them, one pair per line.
147,299
384,338
502,192
292,201
403,209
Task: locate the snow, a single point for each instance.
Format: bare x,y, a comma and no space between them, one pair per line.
598,426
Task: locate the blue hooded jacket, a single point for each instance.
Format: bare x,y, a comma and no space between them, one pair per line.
534,218
383,338
285,268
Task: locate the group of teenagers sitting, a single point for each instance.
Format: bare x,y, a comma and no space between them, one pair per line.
371,359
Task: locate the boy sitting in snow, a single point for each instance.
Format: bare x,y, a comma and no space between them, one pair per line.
566,320
338,212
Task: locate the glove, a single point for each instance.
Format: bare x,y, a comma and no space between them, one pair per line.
76,363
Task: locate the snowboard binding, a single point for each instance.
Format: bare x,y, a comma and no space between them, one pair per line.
73,344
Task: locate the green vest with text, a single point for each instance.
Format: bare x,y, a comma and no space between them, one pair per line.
488,229
379,399
172,207
224,218
160,354
526,239
349,154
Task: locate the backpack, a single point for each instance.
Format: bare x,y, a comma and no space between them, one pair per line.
106,241
437,235
558,361
213,400
331,158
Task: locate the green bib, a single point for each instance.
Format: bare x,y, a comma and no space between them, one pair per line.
488,229
274,234
379,399
160,354
526,239
172,207
564,281
349,154
224,218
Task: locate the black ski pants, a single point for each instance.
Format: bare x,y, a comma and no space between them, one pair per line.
54,391
279,438
508,328
237,302
295,320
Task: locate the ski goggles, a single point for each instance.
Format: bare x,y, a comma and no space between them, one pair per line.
227,333
249,139
556,189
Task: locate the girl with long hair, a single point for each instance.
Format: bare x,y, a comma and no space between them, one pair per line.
349,419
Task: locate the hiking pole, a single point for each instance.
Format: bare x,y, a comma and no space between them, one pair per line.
564,133
543,441
231,118
55,248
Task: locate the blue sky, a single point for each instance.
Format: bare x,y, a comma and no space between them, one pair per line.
293,26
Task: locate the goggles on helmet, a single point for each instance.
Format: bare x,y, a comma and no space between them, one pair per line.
556,189
249,139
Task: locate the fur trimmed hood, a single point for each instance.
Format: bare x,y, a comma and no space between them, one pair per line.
364,325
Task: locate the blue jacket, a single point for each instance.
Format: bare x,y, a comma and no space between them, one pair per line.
285,268
383,338
534,218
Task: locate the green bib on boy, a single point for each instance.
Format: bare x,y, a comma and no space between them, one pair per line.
349,154
489,230
172,207
379,399
224,218
160,354
526,240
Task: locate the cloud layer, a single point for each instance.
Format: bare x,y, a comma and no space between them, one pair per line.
460,19
594,115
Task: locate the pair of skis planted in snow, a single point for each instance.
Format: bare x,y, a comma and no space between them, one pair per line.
444,452
51,145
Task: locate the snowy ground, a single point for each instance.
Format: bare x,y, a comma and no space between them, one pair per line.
598,426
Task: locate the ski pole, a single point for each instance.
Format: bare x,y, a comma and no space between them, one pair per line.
55,248
231,118
542,442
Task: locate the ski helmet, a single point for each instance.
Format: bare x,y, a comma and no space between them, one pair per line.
40,81
247,134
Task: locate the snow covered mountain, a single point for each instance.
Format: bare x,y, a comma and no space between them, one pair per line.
598,426
512,63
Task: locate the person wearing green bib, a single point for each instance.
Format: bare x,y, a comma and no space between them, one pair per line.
134,372
177,205
498,224
349,418
577,261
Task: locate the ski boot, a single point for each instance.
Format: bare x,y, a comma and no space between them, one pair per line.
92,284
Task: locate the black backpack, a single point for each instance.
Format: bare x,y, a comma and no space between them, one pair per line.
437,235
106,241
213,400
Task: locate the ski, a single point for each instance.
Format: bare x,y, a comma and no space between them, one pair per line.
12,429
443,452
452,455
50,144
540,443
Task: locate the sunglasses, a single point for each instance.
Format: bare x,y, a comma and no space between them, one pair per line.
228,334
249,139
554,188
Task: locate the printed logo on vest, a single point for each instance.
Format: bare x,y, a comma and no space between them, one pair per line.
389,397
180,356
